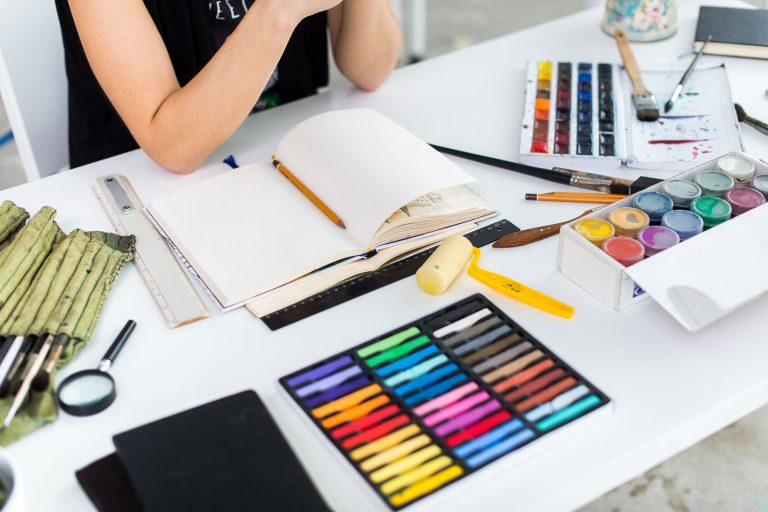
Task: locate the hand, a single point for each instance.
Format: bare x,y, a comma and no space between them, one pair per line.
297,10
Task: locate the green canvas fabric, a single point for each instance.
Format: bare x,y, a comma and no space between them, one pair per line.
65,296
11,217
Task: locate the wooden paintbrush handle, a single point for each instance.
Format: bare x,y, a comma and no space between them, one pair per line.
528,236
630,64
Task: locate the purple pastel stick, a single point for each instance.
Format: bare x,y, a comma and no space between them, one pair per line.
320,371
329,382
337,392
468,418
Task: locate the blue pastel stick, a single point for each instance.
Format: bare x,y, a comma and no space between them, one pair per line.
426,379
406,362
489,438
436,390
557,403
320,371
415,371
500,448
339,391
329,382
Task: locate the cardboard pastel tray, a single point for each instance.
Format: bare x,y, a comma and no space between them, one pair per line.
697,281
417,409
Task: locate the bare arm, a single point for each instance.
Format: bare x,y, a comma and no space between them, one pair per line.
366,39
178,127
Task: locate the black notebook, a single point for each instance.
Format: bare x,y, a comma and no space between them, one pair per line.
735,32
225,455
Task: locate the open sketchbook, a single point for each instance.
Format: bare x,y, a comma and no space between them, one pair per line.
250,232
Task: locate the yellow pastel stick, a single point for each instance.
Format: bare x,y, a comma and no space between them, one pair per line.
516,290
346,401
385,442
426,486
394,453
355,412
404,464
416,474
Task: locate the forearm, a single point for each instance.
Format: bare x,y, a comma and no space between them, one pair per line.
197,118
366,41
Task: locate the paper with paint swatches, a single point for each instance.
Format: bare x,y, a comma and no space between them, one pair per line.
424,405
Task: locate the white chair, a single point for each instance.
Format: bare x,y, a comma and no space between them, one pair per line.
33,84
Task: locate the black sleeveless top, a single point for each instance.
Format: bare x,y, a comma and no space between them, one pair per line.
193,30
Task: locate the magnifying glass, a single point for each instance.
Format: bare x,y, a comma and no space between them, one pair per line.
91,391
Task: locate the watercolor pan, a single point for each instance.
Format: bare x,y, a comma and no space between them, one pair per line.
431,402
580,114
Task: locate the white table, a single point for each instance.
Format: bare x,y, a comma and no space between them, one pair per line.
670,388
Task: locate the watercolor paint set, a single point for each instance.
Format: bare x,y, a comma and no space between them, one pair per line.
580,114
436,400
695,243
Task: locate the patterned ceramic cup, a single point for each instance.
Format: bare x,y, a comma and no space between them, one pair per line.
641,20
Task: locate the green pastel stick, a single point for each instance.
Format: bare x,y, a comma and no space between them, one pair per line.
397,352
568,413
389,342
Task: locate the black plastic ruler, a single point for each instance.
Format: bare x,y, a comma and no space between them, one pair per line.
370,281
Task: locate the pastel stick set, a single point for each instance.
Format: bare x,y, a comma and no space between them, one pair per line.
425,405
580,114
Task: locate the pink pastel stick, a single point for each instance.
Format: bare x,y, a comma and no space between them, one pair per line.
455,408
467,419
445,399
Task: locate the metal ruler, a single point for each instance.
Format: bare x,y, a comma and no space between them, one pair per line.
166,280
370,281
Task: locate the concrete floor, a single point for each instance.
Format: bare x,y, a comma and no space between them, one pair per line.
727,471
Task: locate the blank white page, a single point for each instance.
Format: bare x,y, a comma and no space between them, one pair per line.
365,166
249,230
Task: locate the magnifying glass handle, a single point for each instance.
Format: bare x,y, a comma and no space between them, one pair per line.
117,346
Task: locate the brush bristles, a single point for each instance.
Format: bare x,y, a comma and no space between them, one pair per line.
646,107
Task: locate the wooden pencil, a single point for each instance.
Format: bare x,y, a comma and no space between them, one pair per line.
575,197
310,195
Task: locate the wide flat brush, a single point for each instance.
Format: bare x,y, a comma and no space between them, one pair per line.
645,104
742,116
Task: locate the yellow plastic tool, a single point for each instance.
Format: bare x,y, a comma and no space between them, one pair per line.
516,290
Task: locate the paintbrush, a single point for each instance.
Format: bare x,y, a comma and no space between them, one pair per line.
36,362
688,72
645,104
742,116
581,179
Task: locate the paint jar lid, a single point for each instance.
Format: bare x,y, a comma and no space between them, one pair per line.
655,204
714,183
760,183
683,222
743,199
713,210
657,238
628,221
736,167
682,192
593,229
625,250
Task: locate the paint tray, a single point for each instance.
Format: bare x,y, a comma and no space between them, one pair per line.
458,395
701,125
697,281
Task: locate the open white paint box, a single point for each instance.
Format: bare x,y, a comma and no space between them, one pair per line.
697,281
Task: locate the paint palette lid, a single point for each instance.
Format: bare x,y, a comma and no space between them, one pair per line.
690,280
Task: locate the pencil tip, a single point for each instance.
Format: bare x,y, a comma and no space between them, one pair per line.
341,224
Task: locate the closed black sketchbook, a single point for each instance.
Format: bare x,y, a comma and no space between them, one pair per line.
735,32
225,455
